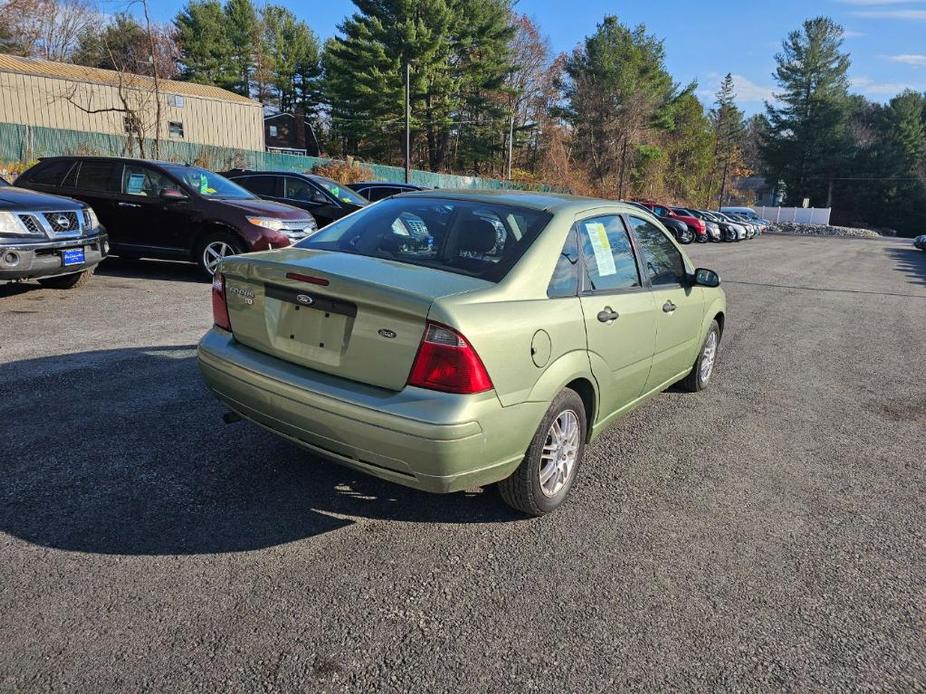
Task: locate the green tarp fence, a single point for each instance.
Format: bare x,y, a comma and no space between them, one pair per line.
26,143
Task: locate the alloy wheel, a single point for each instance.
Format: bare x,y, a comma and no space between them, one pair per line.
708,356
560,453
213,254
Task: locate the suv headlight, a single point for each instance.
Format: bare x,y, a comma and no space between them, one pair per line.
271,223
10,226
90,218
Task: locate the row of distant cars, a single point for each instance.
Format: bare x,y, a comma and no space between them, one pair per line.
65,214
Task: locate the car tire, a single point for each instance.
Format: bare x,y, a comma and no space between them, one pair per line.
729,236
704,365
685,237
72,281
214,247
564,427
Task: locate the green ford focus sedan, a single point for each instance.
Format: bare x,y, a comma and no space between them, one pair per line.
446,340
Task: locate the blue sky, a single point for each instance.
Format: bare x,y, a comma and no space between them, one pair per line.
705,40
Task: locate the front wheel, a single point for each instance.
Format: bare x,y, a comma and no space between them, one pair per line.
685,237
703,367
72,281
214,248
544,478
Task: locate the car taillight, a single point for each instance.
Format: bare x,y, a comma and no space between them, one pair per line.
219,305
447,362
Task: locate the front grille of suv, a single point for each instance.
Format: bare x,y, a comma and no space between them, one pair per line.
62,221
31,223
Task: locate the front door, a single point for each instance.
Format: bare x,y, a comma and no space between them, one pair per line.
302,193
679,304
157,225
620,321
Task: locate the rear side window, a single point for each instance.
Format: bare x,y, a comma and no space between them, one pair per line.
98,176
259,185
565,280
607,254
468,237
661,259
49,173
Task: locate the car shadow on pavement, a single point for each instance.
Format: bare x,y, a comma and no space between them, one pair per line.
174,271
910,261
125,452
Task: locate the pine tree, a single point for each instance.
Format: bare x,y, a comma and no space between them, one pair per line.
205,47
728,127
806,139
292,51
243,32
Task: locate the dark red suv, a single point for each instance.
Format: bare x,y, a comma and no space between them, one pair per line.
695,224
157,209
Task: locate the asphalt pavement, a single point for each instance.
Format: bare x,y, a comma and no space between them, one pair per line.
767,534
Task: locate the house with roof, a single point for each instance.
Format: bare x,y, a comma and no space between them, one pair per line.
74,97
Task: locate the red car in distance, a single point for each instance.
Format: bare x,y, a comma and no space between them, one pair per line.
695,224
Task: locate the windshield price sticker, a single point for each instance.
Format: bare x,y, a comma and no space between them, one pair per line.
601,246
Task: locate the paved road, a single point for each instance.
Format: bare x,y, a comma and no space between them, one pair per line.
765,534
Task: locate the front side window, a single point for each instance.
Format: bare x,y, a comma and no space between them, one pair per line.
482,240
661,259
340,192
300,189
607,254
144,182
209,184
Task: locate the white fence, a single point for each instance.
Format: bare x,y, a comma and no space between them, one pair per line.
801,215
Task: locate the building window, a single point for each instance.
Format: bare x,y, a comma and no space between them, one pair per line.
132,124
273,131
175,100
175,128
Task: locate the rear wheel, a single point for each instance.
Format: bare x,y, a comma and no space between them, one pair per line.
214,248
77,279
545,477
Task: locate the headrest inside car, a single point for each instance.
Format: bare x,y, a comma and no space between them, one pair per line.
478,237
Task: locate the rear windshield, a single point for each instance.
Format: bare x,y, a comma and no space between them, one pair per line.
466,237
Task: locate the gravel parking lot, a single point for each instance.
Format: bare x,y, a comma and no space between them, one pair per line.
768,533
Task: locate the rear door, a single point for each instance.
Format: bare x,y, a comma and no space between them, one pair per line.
97,183
679,306
620,321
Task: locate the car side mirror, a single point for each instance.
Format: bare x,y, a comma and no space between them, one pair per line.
706,278
172,195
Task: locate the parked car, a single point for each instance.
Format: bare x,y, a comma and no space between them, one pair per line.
156,209
695,224
380,190
739,228
54,240
920,242
747,213
752,230
713,228
491,350
326,199
679,229
726,230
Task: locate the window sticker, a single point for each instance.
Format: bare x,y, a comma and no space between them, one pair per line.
136,184
601,246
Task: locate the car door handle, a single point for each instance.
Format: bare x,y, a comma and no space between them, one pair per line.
608,315
668,307
127,204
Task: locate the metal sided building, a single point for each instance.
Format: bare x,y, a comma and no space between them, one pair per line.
73,97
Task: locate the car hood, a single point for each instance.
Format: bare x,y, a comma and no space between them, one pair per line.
13,198
267,208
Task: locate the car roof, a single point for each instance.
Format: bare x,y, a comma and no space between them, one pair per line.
549,202
134,160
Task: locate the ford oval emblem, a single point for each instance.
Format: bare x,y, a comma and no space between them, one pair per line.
385,332
305,299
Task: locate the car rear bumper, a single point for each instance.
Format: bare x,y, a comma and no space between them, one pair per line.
436,442
23,259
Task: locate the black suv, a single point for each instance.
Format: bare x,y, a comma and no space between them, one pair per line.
55,240
326,199
380,190
157,209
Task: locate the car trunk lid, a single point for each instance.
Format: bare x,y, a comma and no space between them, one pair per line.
353,316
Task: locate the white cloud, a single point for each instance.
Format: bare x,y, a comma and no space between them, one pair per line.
918,59
915,15
849,34
869,87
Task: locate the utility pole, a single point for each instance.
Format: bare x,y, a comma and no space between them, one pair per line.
510,143
723,184
408,122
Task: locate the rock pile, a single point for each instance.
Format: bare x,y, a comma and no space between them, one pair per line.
822,230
